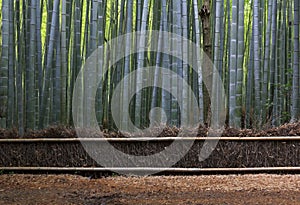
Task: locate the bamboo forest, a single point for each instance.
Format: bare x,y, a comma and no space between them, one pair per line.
254,46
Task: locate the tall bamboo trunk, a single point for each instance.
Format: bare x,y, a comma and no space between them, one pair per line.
206,30
295,93
4,64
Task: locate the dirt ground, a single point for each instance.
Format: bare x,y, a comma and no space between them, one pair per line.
290,129
216,189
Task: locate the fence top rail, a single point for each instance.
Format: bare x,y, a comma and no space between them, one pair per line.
152,139
156,169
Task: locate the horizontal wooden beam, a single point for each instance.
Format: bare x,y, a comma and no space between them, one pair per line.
150,169
156,139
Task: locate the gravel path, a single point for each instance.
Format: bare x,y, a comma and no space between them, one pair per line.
216,189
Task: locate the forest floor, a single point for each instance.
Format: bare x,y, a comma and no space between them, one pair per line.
290,129
156,190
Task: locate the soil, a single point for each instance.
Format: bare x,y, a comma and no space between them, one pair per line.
212,189
290,129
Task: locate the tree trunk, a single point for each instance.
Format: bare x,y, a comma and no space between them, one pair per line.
205,18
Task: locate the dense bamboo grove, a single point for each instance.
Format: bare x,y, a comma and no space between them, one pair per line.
253,44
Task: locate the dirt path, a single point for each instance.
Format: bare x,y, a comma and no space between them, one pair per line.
232,189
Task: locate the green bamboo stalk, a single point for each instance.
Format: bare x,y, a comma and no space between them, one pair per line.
166,97
295,89
185,109
128,47
30,71
39,58
101,106
139,108
176,63
257,64
215,99
273,56
76,58
198,52
64,63
266,77
57,97
233,65
19,69
11,70
4,64
240,64
47,80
